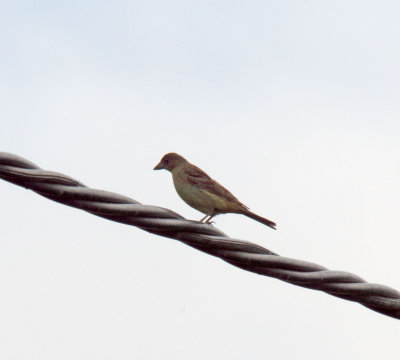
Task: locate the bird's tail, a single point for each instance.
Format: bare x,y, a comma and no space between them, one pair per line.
260,219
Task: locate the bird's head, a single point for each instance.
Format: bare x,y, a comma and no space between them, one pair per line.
170,161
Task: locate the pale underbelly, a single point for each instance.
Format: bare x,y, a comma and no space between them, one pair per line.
201,200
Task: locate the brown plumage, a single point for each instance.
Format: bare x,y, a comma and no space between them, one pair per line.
203,193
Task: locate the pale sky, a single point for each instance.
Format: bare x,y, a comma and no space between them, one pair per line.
291,105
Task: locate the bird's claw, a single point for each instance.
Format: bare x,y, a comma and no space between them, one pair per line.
207,222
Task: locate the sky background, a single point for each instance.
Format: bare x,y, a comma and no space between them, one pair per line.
292,105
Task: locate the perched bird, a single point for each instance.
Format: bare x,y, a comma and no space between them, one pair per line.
201,192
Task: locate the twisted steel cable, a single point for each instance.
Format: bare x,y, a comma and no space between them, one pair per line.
204,237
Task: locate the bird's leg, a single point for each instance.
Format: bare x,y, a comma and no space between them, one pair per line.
209,219
204,217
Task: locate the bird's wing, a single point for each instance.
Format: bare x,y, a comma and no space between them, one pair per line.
199,178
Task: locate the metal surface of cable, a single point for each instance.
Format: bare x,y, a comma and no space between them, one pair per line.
164,222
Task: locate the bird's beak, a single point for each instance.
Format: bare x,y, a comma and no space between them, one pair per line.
159,166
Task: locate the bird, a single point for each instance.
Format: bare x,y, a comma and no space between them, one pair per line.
203,193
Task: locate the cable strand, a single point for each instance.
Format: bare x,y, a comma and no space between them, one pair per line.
203,237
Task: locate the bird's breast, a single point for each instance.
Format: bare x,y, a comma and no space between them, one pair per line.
197,197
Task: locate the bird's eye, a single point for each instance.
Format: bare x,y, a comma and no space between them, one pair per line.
166,162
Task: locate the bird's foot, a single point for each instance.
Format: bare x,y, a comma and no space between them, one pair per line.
207,220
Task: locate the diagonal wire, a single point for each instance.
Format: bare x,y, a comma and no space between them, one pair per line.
206,238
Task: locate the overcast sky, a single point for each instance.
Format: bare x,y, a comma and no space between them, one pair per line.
294,106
